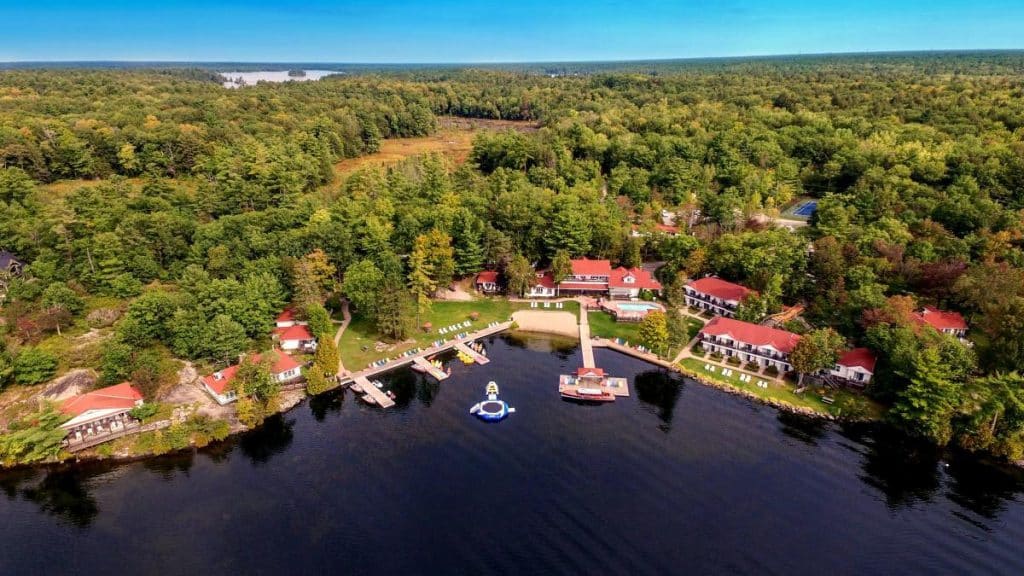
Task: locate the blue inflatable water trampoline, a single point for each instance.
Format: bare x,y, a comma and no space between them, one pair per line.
492,409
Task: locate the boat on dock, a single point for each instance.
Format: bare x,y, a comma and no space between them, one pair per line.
492,409
587,394
591,385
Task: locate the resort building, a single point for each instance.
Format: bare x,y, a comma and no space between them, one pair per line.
100,415
855,367
287,319
628,282
749,342
543,286
717,295
951,323
487,282
220,383
587,277
296,338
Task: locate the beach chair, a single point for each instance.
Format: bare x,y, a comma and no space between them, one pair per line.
711,368
706,367
547,304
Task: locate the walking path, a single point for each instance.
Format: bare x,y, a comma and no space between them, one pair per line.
586,346
346,318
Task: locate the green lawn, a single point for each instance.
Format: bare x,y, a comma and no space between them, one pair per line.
361,332
603,324
846,403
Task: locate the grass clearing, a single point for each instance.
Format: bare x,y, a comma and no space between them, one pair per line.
603,324
357,346
846,403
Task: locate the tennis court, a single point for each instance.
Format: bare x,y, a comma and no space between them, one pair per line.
805,209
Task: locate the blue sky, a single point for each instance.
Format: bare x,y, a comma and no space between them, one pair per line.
501,31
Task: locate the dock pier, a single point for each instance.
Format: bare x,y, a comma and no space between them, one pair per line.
476,356
363,385
437,373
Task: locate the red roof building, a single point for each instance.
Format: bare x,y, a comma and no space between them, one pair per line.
951,323
122,395
628,282
288,318
218,384
543,286
487,281
587,268
717,295
855,366
296,337
750,342
100,415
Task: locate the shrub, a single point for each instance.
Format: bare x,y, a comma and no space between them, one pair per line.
734,361
771,371
753,366
698,350
33,366
717,356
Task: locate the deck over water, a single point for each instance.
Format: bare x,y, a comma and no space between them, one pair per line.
437,373
476,356
361,376
362,384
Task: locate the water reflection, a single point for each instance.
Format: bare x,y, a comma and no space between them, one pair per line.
322,405
167,467
63,494
981,487
905,471
273,437
659,389
802,428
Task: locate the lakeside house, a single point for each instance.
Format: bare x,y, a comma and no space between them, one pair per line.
749,342
287,318
100,415
951,323
543,286
487,282
855,367
628,282
296,337
719,296
220,383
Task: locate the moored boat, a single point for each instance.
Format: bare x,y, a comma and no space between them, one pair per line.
587,394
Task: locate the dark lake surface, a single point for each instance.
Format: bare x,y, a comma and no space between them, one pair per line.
676,479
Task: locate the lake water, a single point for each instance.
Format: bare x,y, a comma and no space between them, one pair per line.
678,478
251,78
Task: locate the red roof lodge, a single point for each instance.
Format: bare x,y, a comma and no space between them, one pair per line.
218,384
749,342
951,323
717,295
100,415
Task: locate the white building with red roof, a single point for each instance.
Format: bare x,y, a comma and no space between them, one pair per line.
296,337
719,296
628,282
220,384
288,318
951,323
855,366
487,281
588,276
749,342
102,414
543,286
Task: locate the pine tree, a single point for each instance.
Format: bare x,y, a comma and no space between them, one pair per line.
468,244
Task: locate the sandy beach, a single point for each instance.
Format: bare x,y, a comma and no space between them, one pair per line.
547,322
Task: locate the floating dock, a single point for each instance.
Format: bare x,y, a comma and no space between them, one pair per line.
593,378
371,394
426,366
476,356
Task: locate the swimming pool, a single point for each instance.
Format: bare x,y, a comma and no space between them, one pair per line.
636,307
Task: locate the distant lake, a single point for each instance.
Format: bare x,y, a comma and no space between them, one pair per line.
678,478
251,78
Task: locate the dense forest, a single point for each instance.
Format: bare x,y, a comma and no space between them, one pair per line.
184,215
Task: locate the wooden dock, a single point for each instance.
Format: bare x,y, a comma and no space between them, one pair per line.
586,346
370,392
360,379
476,356
437,373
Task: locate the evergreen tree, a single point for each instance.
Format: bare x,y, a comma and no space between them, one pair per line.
468,243
926,407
